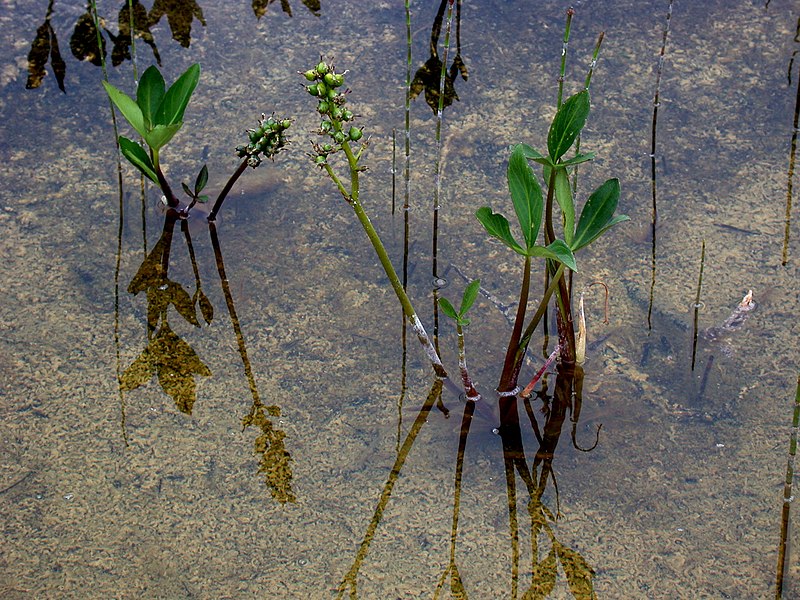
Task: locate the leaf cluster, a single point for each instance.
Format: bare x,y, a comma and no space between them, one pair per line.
156,114
467,300
527,196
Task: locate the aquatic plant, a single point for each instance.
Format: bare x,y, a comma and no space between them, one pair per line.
460,317
157,115
534,208
326,85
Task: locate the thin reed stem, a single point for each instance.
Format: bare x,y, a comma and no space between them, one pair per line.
697,303
788,496
790,179
654,216
564,45
439,112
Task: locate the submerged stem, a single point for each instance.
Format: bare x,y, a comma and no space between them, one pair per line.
212,216
508,380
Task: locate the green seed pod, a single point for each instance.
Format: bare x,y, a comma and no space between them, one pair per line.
312,89
338,80
346,115
311,75
322,68
322,89
254,135
336,113
331,93
339,137
323,107
286,123
330,79
327,148
325,126
355,134
320,160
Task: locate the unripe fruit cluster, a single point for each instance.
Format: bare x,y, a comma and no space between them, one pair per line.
324,85
266,139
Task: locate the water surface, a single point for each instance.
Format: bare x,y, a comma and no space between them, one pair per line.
338,485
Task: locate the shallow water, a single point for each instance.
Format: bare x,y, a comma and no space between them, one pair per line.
110,490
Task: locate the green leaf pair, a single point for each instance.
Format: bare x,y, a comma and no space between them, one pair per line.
598,214
156,114
467,300
526,195
199,184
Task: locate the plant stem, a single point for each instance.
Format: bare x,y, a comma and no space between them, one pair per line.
526,393
526,337
788,497
566,331
212,216
469,389
508,380
172,200
562,71
353,200
697,304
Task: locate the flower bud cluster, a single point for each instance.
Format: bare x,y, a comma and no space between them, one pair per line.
325,85
267,139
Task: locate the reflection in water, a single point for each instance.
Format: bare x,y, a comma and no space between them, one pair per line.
566,398
180,15
84,40
43,49
260,7
88,44
166,354
350,580
565,401
428,75
275,459
177,364
133,22
788,498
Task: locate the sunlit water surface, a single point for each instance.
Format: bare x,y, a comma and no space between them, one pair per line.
121,479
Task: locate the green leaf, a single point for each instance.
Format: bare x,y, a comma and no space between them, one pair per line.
161,134
578,159
598,214
128,107
149,94
496,225
201,181
535,155
526,194
564,199
186,190
138,157
448,309
567,124
177,97
557,251
470,294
